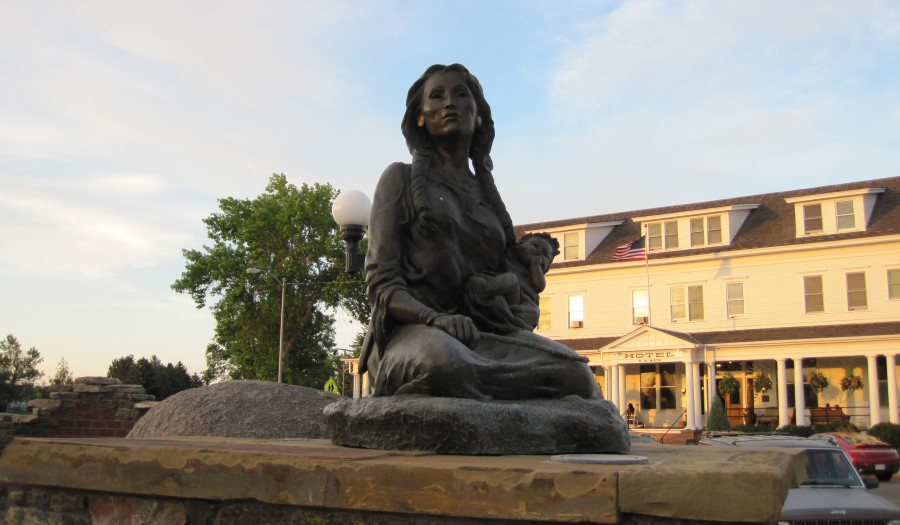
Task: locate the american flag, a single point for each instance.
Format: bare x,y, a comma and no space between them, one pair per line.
631,251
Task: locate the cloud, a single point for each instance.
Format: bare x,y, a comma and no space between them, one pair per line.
719,99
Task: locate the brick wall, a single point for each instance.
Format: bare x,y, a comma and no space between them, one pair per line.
92,407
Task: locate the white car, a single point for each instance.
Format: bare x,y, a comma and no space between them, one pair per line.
833,491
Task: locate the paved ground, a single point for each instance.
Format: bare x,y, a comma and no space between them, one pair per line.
889,490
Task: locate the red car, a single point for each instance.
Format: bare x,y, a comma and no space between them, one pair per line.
868,454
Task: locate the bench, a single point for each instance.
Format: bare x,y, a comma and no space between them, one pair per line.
818,416
823,416
768,417
835,414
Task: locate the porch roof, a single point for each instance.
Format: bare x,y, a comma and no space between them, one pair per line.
760,334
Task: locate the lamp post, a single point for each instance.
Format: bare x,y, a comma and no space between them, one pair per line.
351,211
254,271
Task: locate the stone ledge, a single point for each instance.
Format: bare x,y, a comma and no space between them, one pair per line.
315,473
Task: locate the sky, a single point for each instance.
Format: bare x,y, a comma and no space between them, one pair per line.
123,121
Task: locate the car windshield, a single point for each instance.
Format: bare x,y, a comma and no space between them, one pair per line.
829,467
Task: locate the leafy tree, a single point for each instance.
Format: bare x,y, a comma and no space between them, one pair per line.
63,375
18,370
158,379
287,232
717,418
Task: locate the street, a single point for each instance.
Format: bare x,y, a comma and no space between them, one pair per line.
889,490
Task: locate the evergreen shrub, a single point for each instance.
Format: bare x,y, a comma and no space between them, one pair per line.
794,430
753,429
717,418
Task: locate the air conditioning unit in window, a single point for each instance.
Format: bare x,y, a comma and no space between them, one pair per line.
576,324
640,320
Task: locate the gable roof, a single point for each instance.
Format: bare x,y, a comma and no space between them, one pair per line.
771,224
645,335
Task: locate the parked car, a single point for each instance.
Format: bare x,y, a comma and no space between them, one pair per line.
833,491
868,454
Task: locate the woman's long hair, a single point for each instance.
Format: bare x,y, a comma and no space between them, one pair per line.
420,146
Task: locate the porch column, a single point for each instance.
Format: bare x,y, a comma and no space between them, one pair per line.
357,386
623,390
874,398
613,387
710,384
784,418
799,397
892,387
365,385
689,386
607,384
698,409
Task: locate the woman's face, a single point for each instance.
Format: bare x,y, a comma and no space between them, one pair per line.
449,107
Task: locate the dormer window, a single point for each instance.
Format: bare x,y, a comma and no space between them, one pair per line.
570,248
846,219
705,231
812,218
830,213
576,241
688,229
662,235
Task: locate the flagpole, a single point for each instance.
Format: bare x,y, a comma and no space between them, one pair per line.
647,269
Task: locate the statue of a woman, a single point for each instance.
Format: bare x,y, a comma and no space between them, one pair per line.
454,295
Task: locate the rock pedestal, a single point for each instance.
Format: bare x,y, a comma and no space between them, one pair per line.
238,409
467,426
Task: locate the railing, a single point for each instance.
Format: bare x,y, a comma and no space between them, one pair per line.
683,413
855,412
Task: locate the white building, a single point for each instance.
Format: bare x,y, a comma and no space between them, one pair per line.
749,287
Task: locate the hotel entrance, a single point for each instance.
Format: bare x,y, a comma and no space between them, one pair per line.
739,398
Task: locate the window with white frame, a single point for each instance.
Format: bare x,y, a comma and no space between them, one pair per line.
576,311
686,303
706,230
812,218
571,247
654,236
734,298
856,291
671,228
658,385
662,235
640,307
545,304
893,284
813,295
846,219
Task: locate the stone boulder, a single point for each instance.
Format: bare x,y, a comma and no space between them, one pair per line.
571,425
238,409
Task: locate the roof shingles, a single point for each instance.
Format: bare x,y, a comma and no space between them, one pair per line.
771,224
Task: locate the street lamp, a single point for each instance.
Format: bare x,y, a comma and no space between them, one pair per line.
351,211
254,271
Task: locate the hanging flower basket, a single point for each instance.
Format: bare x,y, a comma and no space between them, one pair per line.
762,384
728,385
850,383
818,382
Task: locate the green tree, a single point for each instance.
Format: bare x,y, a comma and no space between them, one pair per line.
161,380
287,232
63,375
717,418
18,370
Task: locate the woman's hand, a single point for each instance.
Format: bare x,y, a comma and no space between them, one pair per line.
459,326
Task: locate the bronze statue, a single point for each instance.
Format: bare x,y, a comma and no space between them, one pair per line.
454,295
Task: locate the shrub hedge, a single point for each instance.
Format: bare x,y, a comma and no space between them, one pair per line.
887,432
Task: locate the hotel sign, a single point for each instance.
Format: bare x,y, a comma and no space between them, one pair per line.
651,356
